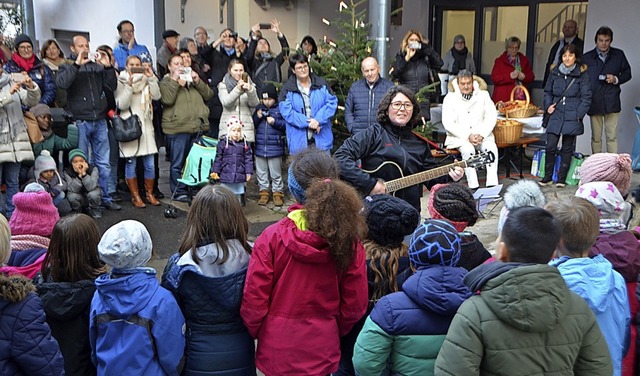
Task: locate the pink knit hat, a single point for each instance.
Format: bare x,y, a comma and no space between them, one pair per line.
35,213
615,168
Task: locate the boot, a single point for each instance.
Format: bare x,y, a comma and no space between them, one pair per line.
277,199
264,198
148,188
135,194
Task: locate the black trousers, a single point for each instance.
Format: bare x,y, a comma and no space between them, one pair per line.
566,152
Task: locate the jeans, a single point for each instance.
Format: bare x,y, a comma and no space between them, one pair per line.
9,171
113,161
568,147
147,162
179,147
269,168
94,133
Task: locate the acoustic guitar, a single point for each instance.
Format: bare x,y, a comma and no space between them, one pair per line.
475,161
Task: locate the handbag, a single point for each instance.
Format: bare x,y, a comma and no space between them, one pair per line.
35,135
126,130
546,115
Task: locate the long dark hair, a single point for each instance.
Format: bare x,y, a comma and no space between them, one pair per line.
327,195
215,217
309,39
383,107
73,250
571,48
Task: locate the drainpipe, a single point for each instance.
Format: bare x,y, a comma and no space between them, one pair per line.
29,24
379,18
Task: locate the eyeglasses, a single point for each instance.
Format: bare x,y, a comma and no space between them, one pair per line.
398,105
25,48
302,67
128,31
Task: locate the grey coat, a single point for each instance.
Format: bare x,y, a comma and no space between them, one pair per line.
18,149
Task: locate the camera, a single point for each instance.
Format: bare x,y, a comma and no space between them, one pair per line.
415,45
137,69
94,56
265,113
602,77
233,34
265,26
171,212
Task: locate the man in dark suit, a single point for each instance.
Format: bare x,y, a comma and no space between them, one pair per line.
570,36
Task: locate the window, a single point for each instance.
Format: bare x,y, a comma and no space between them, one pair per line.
396,12
456,22
501,23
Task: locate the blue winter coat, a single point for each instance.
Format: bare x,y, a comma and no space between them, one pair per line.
218,343
406,329
41,75
234,161
361,106
606,97
122,52
26,344
571,106
323,106
605,292
145,322
269,138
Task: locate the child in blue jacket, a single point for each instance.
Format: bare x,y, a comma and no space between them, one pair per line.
136,326
270,134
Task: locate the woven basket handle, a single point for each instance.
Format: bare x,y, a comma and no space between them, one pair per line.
523,88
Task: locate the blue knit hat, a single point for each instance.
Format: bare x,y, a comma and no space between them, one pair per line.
294,187
435,242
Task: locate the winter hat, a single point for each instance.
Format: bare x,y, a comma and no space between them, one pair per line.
34,213
125,245
44,162
77,153
456,201
269,91
170,33
40,109
521,193
458,38
234,120
389,219
294,187
22,38
609,202
435,242
612,167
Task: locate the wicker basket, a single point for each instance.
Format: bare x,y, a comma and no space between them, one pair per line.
507,131
525,108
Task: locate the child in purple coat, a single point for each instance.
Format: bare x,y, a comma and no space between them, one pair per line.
233,165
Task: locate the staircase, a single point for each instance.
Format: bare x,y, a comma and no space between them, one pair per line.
551,31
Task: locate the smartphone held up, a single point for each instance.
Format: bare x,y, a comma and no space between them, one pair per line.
186,74
18,78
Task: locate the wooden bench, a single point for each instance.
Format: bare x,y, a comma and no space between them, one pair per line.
519,147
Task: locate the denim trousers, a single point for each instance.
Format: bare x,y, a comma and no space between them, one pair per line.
179,148
114,153
94,133
147,162
9,172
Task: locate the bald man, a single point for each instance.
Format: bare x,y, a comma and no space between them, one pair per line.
364,96
569,36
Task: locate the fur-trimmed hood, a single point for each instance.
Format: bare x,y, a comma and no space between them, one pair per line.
14,288
583,67
479,84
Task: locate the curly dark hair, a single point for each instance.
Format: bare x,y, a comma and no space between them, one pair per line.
383,108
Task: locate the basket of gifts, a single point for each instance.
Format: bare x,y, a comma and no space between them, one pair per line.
507,131
518,108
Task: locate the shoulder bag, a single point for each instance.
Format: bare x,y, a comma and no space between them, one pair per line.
126,130
546,115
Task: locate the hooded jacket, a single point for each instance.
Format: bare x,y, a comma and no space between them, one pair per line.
143,319
67,306
381,143
525,321
572,104
218,343
605,292
184,108
41,76
234,161
26,344
296,303
408,327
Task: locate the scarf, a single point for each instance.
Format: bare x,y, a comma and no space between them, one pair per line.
140,85
54,65
565,69
459,60
230,82
25,64
11,117
171,49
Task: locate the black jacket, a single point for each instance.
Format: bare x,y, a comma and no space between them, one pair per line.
263,70
381,143
573,103
86,86
67,308
552,54
606,97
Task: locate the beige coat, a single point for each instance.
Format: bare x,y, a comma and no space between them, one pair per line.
18,150
240,104
137,99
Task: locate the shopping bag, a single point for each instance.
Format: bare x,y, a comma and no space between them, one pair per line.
535,162
556,166
573,176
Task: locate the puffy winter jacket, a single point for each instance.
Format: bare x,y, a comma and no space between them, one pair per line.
86,86
41,76
525,321
606,294
269,137
269,69
407,328
606,97
240,104
26,344
184,108
382,143
67,306
296,303
234,161
361,106
143,319
218,343
571,106
323,106
16,148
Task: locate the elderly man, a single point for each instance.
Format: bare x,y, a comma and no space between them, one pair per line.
468,116
168,48
364,96
127,45
569,36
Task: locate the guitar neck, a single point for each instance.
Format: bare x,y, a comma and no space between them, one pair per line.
408,181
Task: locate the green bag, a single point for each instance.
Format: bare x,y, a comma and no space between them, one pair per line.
573,176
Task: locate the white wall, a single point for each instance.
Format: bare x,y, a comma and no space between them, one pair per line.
622,18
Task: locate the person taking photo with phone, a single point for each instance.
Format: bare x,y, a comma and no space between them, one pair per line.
264,65
239,98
